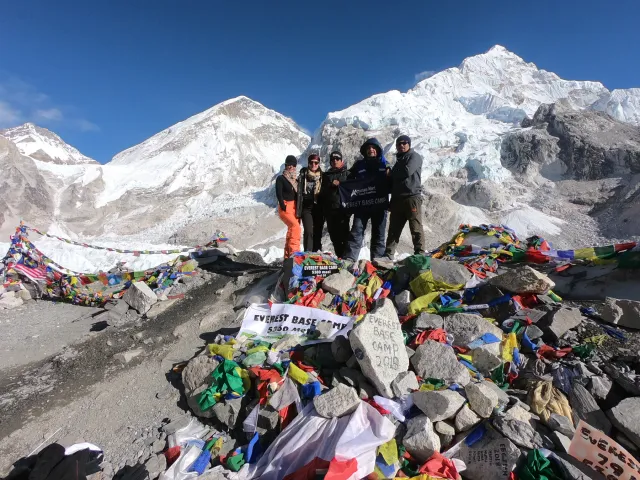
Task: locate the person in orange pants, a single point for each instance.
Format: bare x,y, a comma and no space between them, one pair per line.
286,193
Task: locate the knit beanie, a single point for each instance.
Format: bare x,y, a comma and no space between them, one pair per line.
291,160
404,138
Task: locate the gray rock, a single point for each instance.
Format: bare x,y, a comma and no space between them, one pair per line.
494,461
402,301
533,332
561,321
356,379
119,306
327,300
156,465
585,407
324,329
198,372
177,423
378,345
600,387
410,352
626,418
444,428
337,402
561,424
435,360
438,404
285,395
341,349
287,342
482,399
523,279
503,398
140,297
466,327
421,441
268,417
450,272
466,418
160,307
338,283
405,382
521,433
158,445
626,380
228,412
518,413
126,357
562,442
429,321
625,313
485,361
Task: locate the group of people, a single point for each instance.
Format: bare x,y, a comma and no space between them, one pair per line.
313,197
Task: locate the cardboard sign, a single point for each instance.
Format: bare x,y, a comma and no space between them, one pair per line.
272,323
593,448
319,270
366,195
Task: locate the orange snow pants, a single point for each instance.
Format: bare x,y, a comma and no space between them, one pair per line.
288,216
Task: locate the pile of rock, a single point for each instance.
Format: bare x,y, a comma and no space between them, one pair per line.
482,386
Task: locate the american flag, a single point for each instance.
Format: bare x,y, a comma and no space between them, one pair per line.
39,273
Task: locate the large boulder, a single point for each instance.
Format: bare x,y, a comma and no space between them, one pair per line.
466,327
140,297
493,461
438,404
421,440
338,283
378,345
561,321
625,313
626,417
482,399
436,360
337,402
451,272
522,279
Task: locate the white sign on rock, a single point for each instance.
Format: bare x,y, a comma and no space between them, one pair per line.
378,345
272,323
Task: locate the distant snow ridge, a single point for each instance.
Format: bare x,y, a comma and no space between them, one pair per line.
44,145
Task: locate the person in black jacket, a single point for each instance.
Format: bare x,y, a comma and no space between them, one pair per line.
406,197
337,218
372,166
308,208
287,194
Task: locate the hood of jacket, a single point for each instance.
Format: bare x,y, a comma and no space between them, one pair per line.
372,141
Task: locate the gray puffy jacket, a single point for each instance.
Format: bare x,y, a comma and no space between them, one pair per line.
406,178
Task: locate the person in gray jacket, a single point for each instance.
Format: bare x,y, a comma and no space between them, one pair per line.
406,197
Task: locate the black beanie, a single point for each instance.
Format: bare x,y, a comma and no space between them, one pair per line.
291,160
404,138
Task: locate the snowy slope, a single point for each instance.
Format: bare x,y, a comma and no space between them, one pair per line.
44,145
236,144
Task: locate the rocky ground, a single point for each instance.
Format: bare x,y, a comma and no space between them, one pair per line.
67,377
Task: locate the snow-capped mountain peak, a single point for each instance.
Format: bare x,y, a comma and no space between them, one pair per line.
44,145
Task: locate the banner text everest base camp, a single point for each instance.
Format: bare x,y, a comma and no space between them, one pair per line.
272,323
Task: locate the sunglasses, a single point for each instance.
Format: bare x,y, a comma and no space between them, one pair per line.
402,143
314,162
335,159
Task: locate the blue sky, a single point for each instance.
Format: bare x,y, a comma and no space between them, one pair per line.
107,75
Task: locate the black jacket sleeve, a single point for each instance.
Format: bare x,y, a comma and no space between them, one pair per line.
279,196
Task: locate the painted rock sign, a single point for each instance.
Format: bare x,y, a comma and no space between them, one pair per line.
378,345
595,449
